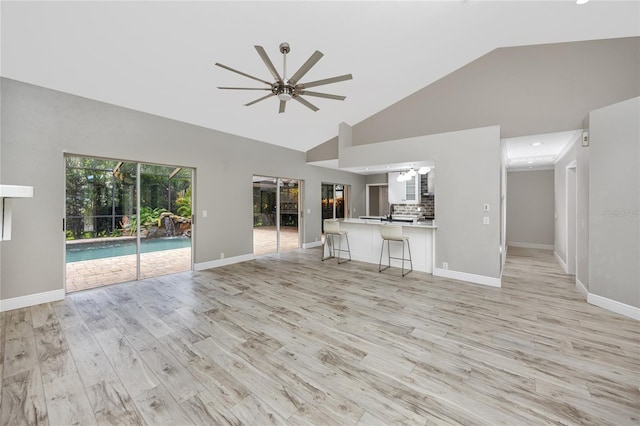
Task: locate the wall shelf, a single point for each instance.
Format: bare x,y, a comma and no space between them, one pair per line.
7,194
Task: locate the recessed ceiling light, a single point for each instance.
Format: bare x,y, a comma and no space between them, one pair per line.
536,144
530,162
582,1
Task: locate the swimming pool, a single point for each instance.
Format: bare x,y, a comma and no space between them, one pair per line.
112,248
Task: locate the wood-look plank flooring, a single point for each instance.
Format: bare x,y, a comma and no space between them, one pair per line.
292,340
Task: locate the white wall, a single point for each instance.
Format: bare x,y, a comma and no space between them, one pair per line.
614,202
530,209
39,125
469,167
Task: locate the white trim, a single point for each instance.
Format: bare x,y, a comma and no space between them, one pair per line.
312,245
530,169
464,276
31,300
571,260
222,262
560,261
582,289
567,147
614,306
531,245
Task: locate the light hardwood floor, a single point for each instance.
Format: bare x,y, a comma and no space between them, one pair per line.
293,340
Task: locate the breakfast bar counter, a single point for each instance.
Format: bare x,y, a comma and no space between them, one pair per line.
365,242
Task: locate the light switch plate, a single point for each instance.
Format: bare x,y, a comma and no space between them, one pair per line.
485,220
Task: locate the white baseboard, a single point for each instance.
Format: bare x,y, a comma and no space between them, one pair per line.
222,262
560,261
464,276
531,245
31,300
582,289
614,306
312,245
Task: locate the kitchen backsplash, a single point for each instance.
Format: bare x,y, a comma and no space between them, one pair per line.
426,209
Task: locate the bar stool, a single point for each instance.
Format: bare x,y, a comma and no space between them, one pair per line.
331,230
394,233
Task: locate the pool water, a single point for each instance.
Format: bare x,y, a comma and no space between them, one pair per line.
100,250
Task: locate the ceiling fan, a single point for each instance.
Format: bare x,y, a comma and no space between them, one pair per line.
289,89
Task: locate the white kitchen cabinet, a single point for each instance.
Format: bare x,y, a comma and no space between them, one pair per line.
405,192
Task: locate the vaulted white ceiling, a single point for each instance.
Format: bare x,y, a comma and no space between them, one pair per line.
158,57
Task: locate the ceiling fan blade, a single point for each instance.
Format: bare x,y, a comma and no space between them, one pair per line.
261,99
283,105
324,81
245,88
306,103
323,95
242,73
305,67
268,63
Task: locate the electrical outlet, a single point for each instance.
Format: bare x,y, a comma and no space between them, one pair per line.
221,255
445,265
204,213
485,220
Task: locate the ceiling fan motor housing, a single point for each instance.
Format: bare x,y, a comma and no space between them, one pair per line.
284,92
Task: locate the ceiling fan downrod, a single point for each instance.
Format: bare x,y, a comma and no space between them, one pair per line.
284,91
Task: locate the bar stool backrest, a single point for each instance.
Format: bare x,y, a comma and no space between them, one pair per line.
331,226
391,232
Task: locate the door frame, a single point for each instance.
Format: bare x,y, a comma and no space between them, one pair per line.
366,195
278,225
66,154
571,203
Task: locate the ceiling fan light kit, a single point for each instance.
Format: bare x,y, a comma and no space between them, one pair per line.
284,89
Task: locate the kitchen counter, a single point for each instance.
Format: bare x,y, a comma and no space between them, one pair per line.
365,242
381,221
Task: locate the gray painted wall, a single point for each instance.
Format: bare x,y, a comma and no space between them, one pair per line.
526,90
614,202
530,207
39,125
325,151
469,167
582,219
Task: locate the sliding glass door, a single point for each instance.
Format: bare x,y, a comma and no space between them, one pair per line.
265,215
165,243
289,214
334,201
125,221
276,214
